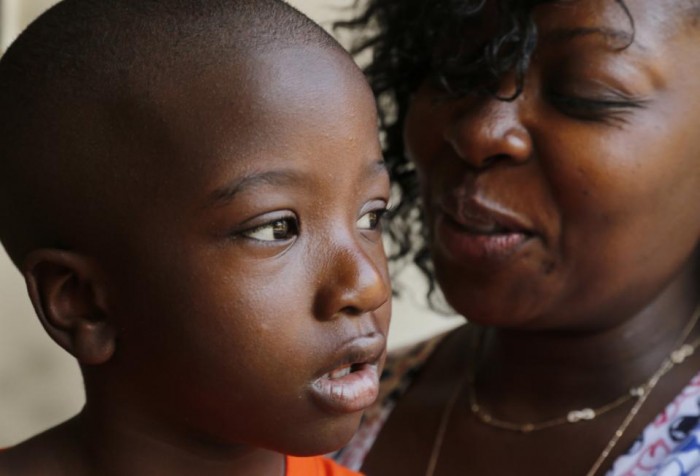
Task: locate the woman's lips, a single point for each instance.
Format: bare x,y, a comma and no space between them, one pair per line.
352,384
478,239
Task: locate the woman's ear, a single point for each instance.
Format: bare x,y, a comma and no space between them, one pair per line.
69,299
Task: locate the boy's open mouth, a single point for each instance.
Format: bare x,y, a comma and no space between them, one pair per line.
343,371
353,383
348,389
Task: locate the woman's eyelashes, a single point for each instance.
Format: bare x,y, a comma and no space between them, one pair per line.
609,108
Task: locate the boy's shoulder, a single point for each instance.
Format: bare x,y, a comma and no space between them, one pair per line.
52,453
45,454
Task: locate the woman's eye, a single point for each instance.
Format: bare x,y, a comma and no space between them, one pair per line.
282,229
595,109
371,219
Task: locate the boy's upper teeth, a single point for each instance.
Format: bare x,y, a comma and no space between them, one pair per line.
340,373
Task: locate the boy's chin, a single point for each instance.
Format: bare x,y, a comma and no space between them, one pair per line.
328,436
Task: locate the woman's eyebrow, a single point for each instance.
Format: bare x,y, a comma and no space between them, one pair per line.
612,35
223,195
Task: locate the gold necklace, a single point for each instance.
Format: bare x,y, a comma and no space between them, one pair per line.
574,416
680,353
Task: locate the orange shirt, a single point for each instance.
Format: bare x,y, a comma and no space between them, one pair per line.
311,466
316,466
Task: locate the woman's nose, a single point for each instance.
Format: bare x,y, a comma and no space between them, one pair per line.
488,130
355,281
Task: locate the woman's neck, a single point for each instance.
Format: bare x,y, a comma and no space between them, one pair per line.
536,375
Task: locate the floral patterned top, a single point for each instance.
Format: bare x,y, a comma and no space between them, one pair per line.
669,445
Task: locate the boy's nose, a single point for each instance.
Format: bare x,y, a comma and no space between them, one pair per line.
354,282
487,130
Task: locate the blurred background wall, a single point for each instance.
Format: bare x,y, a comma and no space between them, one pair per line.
40,384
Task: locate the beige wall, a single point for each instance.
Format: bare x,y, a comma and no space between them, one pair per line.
39,383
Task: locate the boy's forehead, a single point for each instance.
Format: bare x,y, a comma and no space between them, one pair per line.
232,102
268,82
178,118
167,142
198,133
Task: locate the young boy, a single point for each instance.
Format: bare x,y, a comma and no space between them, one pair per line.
192,190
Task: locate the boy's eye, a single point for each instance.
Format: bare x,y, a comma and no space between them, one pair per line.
371,219
278,230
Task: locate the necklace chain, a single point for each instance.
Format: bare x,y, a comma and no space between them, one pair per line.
641,393
574,416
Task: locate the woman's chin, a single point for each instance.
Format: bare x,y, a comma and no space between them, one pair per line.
496,310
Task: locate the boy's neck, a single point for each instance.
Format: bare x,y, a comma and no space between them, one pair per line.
93,445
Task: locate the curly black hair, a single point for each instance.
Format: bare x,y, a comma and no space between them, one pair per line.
412,41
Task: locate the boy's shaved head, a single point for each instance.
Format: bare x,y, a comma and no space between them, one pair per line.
75,87
192,190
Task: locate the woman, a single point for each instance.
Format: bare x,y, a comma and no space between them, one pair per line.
557,160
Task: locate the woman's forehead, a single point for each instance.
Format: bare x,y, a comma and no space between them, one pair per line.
663,16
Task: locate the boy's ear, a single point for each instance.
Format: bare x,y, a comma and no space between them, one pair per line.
70,301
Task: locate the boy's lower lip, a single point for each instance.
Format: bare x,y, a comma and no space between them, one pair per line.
468,245
350,393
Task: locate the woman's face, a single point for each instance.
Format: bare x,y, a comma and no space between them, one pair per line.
578,200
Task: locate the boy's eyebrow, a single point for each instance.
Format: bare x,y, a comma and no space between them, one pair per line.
225,194
378,167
